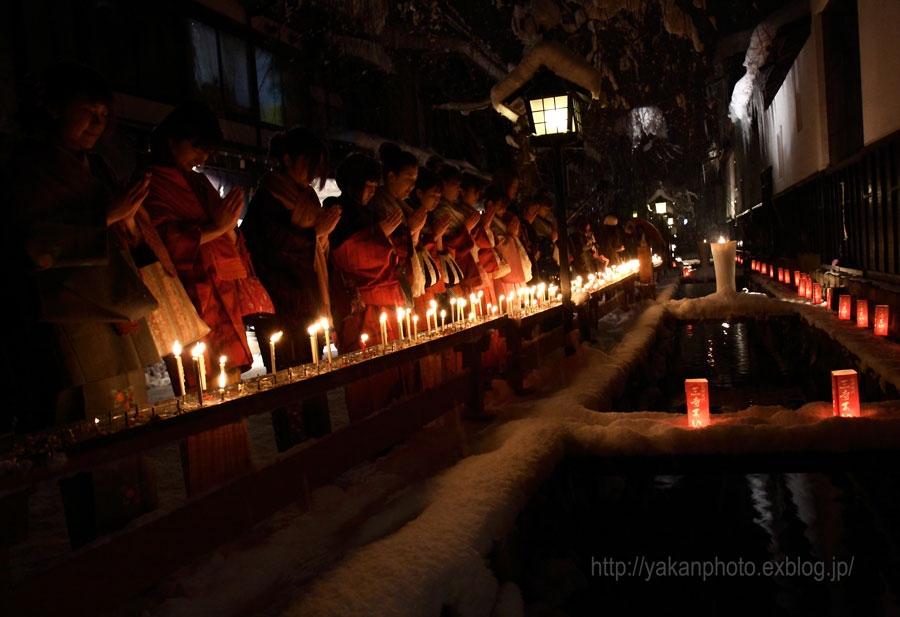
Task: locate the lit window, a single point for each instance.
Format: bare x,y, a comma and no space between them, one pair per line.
271,95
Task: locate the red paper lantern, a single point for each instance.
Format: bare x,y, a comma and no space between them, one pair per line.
817,294
771,272
697,394
762,269
828,293
796,278
881,319
807,289
686,271
862,313
753,264
780,275
845,393
844,307
801,288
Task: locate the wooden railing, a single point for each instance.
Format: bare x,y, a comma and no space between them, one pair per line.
109,571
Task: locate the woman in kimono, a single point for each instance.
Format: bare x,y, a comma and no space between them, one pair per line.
505,226
286,231
366,272
80,334
199,229
427,195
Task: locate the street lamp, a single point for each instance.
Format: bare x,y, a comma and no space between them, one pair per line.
553,107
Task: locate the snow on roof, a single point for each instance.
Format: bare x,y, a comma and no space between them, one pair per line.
554,56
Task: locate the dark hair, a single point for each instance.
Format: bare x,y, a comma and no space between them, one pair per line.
427,179
301,142
192,121
540,197
61,85
355,170
394,159
471,181
494,193
435,163
504,177
449,173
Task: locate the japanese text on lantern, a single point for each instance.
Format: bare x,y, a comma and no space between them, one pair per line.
697,397
845,393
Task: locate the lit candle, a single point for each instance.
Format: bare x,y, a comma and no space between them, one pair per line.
443,314
697,397
176,350
383,321
480,300
845,393
862,313
222,361
222,381
272,340
502,298
400,315
461,307
327,329
415,321
493,310
844,307
313,331
362,343
452,312
408,331
433,305
882,313
202,366
195,356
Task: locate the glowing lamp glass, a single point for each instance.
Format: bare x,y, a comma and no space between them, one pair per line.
844,307
660,207
697,395
550,115
845,393
862,313
882,313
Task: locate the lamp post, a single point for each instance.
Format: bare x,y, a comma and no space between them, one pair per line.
554,116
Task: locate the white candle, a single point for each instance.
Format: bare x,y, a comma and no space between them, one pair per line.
461,307
383,322
452,312
176,350
222,361
362,343
327,329
480,296
443,314
415,320
400,315
197,356
313,332
272,340
203,366
222,381
408,330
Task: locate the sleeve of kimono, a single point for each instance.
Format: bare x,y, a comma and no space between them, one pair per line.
181,237
366,256
459,242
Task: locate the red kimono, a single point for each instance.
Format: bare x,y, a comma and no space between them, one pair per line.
180,205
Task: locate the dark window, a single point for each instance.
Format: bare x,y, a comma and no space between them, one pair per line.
843,89
235,76
205,62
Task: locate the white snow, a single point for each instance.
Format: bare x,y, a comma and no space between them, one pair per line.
426,547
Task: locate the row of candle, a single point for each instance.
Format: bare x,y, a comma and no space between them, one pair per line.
198,355
806,288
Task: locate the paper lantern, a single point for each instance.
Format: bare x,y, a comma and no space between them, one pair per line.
762,269
828,293
780,275
771,272
844,307
862,313
753,264
817,294
686,271
796,278
807,289
801,288
845,393
697,395
882,313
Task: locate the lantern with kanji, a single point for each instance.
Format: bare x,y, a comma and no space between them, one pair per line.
845,393
882,313
828,292
807,288
844,307
817,294
697,395
862,313
796,278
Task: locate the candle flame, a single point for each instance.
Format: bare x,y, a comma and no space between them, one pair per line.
383,317
480,293
721,239
276,337
433,304
197,351
415,318
222,359
176,348
324,323
502,298
443,313
313,329
96,420
364,337
452,300
400,314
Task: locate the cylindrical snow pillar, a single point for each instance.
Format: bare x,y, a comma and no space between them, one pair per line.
723,254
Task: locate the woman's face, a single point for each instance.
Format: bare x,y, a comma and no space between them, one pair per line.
401,184
429,198
187,154
298,169
81,124
470,195
451,190
368,192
